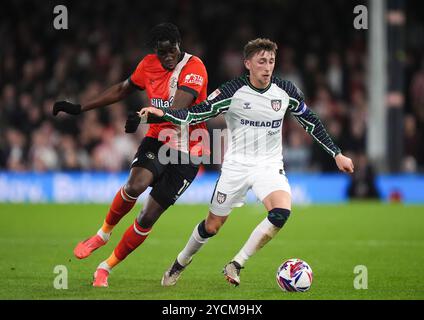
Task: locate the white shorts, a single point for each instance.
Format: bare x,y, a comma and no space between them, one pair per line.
234,182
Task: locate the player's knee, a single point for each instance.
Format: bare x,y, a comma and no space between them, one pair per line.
146,219
278,216
207,230
135,187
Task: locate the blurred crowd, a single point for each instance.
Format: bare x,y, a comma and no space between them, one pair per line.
319,50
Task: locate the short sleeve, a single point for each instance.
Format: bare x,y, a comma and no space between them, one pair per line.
193,77
137,78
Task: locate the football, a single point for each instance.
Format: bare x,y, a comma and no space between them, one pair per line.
294,275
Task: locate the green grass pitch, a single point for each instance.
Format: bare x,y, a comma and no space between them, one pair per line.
386,238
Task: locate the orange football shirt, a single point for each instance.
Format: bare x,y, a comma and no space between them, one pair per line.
158,83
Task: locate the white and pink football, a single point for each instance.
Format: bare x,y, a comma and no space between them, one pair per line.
294,275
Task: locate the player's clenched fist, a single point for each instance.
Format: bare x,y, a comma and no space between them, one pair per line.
344,163
146,113
66,106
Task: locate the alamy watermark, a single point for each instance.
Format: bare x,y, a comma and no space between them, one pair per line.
182,146
361,280
60,282
60,20
360,22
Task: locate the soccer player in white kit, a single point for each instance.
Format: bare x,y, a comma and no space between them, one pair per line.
254,107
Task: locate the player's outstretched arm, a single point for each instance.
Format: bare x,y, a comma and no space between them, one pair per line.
151,115
195,114
217,102
111,95
313,125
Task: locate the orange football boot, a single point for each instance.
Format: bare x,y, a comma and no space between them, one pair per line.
85,248
100,278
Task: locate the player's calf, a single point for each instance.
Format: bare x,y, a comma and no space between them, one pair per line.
259,237
197,239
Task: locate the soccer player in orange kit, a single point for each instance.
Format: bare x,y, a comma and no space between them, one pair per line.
171,78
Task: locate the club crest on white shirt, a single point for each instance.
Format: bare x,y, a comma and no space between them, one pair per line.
276,104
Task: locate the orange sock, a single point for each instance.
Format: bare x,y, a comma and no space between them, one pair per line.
107,228
112,261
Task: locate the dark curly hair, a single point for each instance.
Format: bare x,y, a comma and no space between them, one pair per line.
163,32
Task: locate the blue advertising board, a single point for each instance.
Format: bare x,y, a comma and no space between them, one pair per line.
94,187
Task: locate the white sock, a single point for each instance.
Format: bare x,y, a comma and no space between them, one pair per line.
263,232
193,245
105,236
105,266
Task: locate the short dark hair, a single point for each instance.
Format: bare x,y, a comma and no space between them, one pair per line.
257,45
163,32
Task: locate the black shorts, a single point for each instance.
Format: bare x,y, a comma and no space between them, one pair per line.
169,180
